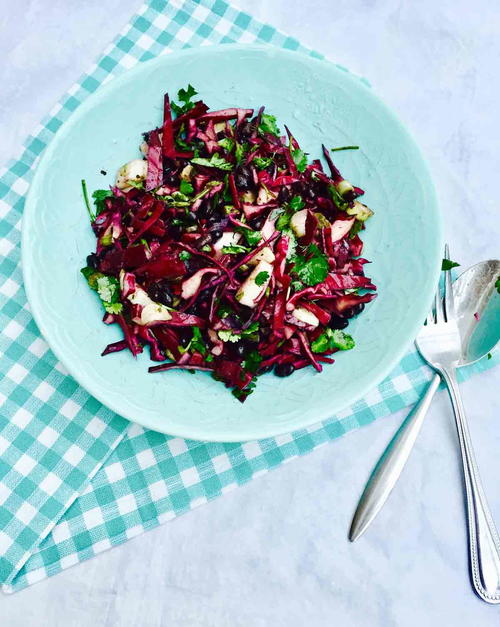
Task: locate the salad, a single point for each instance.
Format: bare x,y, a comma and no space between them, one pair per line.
225,249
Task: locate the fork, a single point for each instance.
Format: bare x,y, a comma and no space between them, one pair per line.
439,344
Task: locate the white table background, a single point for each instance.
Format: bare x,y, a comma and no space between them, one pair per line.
275,552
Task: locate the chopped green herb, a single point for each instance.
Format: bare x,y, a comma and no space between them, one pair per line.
226,335
344,148
300,159
215,161
262,162
145,244
252,237
224,310
252,361
235,249
184,95
227,143
261,278
489,355
332,339
268,125
184,255
313,269
207,248
296,203
497,284
99,197
197,343
296,285
238,152
251,333
107,288
448,264
186,188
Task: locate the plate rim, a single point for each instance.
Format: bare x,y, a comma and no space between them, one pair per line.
100,93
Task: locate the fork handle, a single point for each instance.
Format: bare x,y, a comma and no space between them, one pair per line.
484,543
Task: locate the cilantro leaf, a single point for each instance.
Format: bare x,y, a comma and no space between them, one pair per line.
235,249
489,355
238,152
262,162
268,125
332,339
448,264
186,187
252,237
184,95
227,143
300,159
341,340
215,161
252,361
99,197
197,343
283,221
261,278
296,203
184,255
224,310
107,288
497,284
226,335
312,270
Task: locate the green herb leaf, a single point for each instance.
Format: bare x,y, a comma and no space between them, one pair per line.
184,255
207,248
235,249
107,288
296,285
226,335
252,237
497,284
184,95
262,162
197,343
296,203
238,152
311,270
186,187
224,310
341,340
252,361
283,221
268,125
300,159
344,148
489,355
99,197
215,161
227,143
261,278
447,264
321,343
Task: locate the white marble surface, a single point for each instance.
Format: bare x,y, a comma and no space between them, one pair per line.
275,552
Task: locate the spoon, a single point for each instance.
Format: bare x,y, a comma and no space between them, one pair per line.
477,306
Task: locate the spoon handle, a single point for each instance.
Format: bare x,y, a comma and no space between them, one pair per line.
391,464
484,543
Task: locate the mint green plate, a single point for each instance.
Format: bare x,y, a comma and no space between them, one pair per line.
320,103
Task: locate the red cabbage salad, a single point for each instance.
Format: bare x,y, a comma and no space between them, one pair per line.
225,249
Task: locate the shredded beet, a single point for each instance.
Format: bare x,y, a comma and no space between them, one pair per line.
225,250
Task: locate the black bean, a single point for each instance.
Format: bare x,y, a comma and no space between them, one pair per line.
184,338
284,195
93,261
240,349
243,177
355,310
284,370
217,234
190,218
257,223
266,369
310,193
160,292
336,322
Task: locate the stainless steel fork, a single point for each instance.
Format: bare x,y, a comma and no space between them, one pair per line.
439,344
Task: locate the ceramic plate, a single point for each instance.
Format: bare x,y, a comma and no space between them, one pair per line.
321,103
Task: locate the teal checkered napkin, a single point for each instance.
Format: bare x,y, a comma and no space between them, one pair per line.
76,479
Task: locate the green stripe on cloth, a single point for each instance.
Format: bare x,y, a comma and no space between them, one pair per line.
75,479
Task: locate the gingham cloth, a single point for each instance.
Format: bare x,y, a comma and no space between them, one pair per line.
76,479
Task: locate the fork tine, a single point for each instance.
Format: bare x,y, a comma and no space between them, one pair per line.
449,303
